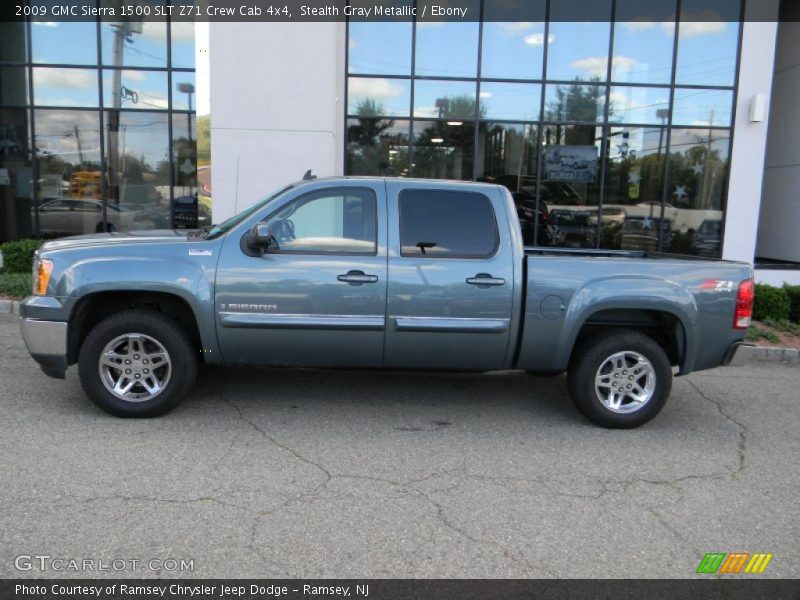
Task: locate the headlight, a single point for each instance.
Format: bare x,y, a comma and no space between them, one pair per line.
41,275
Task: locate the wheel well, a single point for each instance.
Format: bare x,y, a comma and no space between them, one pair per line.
93,308
665,328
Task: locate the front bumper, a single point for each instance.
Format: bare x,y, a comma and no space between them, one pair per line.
47,343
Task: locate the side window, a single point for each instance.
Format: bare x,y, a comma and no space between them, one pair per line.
442,224
337,221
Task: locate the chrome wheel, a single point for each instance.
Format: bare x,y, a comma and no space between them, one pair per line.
135,367
625,382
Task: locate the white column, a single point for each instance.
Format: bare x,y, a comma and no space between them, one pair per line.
749,138
277,95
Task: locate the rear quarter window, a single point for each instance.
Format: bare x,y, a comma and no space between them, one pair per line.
447,224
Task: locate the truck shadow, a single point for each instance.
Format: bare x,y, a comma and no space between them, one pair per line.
437,397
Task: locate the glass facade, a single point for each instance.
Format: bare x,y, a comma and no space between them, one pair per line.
611,133
97,128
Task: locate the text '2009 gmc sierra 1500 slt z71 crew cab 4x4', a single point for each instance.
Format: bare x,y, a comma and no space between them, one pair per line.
378,273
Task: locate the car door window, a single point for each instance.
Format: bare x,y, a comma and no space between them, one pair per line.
444,224
334,221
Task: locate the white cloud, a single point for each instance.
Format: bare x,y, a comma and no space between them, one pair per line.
537,39
690,29
596,66
378,89
635,26
352,43
486,94
515,28
183,31
73,79
134,75
45,24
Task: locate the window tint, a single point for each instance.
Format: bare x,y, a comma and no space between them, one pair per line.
327,221
446,224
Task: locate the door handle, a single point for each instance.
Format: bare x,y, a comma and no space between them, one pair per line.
357,277
485,280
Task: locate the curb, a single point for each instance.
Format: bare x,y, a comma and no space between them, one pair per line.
9,307
746,354
759,354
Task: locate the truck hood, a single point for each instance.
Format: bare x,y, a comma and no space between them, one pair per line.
160,236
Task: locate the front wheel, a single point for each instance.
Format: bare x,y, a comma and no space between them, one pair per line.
619,378
137,363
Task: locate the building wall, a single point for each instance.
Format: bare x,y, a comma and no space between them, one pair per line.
277,93
750,138
779,227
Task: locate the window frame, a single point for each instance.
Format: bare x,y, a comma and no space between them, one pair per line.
496,228
343,192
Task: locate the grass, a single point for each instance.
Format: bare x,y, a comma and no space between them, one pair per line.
15,285
756,334
783,325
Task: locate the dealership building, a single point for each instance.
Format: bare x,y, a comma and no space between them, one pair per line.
676,131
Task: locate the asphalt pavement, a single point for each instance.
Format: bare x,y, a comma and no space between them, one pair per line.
311,473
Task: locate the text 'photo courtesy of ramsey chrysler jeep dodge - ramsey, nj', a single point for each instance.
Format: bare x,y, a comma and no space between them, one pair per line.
379,273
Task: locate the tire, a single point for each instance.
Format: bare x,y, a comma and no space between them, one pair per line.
154,347
613,356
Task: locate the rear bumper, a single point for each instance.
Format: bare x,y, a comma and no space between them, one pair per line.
730,354
47,343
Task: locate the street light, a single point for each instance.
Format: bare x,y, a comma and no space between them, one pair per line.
188,89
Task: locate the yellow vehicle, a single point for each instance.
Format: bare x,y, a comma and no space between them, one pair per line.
85,184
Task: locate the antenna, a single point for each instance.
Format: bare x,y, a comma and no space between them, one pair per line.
308,176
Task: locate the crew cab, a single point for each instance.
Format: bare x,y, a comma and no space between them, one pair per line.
385,274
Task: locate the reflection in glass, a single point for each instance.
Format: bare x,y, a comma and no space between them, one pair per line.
638,105
511,101
712,108
507,155
137,155
70,182
183,91
447,49
443,151
13,86
698,167
379,48
134,44
708,42
12,41
378,96
569,191
183,45
578,40
15,158
65,87
136,90
190,210
644,36
634,184
512,50
444,99
64,43
377,146
575,102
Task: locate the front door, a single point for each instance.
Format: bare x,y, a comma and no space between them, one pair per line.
451,279
317,297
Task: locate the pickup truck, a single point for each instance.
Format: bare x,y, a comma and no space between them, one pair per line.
378,273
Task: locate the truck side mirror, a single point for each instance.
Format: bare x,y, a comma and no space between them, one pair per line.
260,238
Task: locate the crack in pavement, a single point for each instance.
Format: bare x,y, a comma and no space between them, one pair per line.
743,431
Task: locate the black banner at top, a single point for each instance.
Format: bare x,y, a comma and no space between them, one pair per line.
653,11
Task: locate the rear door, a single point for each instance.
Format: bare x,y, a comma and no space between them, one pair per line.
451,278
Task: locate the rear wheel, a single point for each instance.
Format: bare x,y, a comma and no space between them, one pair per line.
619,378
137,363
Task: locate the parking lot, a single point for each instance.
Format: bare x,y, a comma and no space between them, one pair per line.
311,473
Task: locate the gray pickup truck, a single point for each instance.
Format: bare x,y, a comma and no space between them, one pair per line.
378,273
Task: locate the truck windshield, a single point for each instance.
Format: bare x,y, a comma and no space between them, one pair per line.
218,230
